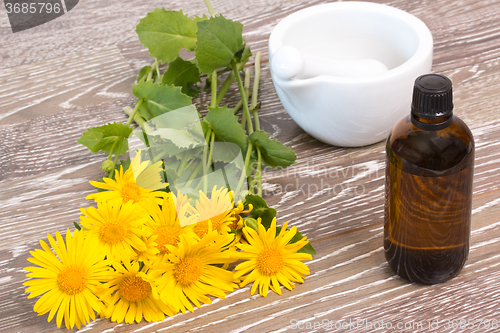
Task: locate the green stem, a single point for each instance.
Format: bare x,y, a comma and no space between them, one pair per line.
213,102
255,112
259,172
138,120
150,74
157,65
117,155
129,121
210,136
243,173
131,117
239,104
205,166
194,174
247,92
225,87
188,165
112,149
198,186
256,80
227,83
255,93
210,8
243,97
159,156
182,165
256,119
251,184
212,140
225,70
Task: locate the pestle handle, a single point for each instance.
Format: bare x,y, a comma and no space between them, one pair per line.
288,63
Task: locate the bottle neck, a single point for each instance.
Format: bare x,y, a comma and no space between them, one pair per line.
434,124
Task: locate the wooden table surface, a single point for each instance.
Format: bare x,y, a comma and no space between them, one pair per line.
60,78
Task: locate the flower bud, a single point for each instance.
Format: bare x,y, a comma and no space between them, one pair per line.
252,223
107,166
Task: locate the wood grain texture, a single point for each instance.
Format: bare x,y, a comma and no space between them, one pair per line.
60,78
51,86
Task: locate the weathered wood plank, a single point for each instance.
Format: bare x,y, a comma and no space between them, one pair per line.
51,86
44,174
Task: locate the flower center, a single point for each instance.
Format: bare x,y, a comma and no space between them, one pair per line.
188,270
270,261
131,191
234,225
112,233
72,280
167,236
134,288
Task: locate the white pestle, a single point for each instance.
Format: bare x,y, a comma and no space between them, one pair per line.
288,63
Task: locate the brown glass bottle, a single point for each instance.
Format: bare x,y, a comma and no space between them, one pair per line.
429,170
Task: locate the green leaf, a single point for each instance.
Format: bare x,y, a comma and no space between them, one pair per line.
159,99
197,18
166,32
246,54
226,152
204,126
143,73
107,137
166,150
308,248
243,55
274,153
78,226
218,40
185,118
261,209
181,138
226,127
184,74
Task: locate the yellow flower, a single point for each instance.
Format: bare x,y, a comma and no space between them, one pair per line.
235,213
165,225
237,223
148,255
190,273
217,210
128,296
271,261
117,229
138,184
67,277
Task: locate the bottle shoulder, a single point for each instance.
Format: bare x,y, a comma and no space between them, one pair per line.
439,150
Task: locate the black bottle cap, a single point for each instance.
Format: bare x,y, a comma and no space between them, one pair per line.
432,97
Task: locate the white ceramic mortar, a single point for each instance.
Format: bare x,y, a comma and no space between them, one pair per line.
352,111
